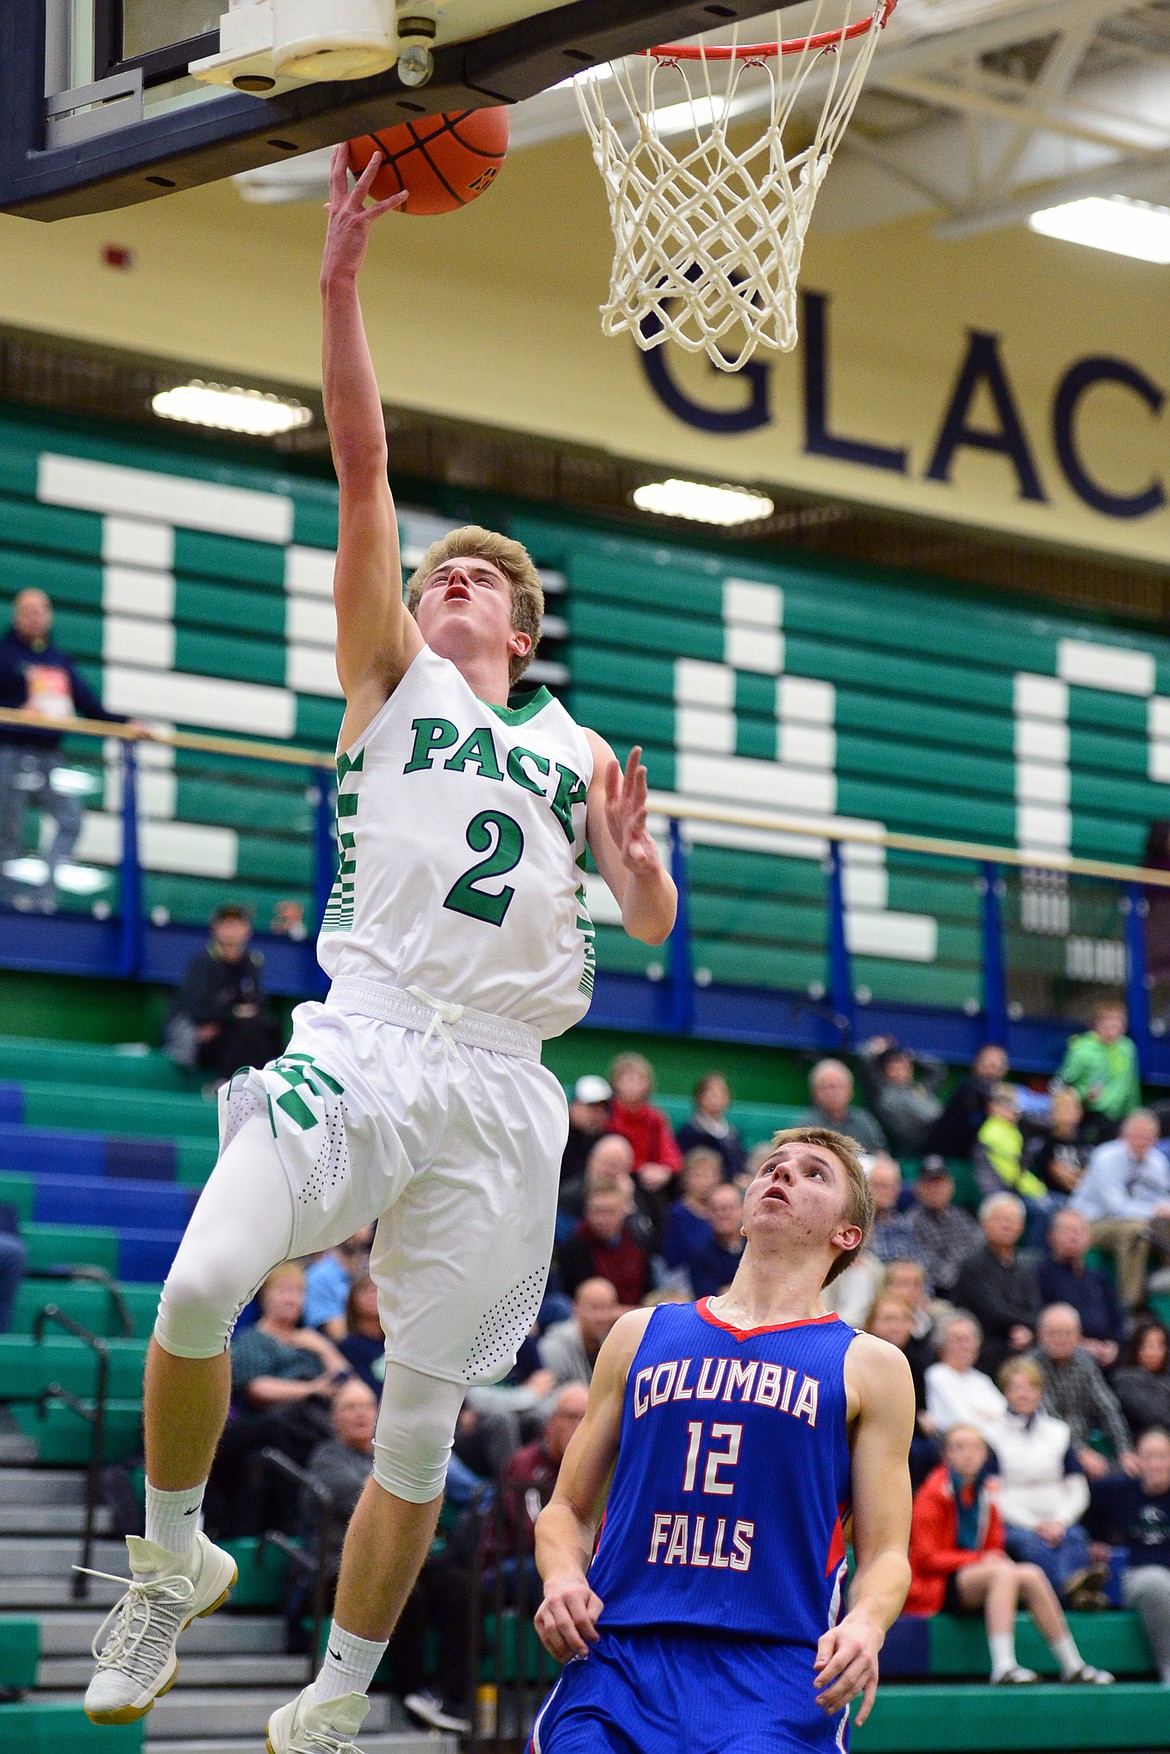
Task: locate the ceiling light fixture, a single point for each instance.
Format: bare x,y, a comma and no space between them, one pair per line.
231,409
1115,223
703,504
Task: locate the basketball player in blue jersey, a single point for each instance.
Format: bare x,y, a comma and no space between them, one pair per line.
750,1431
457,939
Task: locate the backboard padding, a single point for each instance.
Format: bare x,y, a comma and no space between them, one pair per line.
233,132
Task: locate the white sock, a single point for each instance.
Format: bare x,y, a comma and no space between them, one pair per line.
1003,1652
1067,1655
349,1665
172,1518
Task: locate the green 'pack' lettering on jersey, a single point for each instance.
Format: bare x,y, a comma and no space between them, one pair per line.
479,752
570,790
430,735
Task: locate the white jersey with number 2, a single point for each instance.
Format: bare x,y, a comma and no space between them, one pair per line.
461,834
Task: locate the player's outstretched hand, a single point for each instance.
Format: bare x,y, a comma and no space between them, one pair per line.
626,814
846,1665
566,1621
349,218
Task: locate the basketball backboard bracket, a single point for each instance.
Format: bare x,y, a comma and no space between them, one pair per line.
65,152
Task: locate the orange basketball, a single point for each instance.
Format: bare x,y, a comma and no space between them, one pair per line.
442,162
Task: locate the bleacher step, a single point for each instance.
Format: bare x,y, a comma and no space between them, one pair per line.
51,1557
216,1669
43,1486
50,1519
979,1719
397,1742
206,1713
69,1632
20,1594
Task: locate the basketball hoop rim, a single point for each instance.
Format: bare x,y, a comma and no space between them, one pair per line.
828,39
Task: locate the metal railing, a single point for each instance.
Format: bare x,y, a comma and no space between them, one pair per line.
829,840
94,1414
312,1562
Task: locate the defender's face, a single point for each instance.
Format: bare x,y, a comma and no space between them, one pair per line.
467,603
800,1190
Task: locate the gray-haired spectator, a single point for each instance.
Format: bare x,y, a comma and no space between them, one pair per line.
957,1392
892,1237
1135,1514
902,1089
944,1234
996,1286
37,676
830,1084
1125,1191
1075,1391
569,1349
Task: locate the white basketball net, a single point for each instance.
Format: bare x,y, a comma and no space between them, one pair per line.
709,239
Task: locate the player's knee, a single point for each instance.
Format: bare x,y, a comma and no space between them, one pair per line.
415,1432
198,1309
1031,1577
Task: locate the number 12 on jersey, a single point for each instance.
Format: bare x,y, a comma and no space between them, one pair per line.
717,1458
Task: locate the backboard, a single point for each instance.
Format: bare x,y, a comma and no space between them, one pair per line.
98,110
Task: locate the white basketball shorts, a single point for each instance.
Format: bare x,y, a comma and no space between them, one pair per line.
439,1124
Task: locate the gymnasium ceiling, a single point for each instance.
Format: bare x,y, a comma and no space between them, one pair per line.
980,111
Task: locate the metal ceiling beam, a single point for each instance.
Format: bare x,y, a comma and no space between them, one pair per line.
1122,177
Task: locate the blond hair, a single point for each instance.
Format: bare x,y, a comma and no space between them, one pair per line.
512,559
1020,1367
286,1270
858,1199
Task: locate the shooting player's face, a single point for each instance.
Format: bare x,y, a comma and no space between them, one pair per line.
466,604
800,1191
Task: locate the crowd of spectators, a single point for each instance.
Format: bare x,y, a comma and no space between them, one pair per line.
1041,1373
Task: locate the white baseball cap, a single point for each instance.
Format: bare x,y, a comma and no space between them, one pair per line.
591,1088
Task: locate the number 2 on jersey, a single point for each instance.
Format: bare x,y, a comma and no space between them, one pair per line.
716,1458
502,839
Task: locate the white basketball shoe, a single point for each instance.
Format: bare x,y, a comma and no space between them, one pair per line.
135,1643
307,1728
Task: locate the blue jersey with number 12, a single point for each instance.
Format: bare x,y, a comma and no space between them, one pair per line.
732,1479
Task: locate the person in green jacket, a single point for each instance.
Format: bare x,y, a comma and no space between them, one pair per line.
1102,1067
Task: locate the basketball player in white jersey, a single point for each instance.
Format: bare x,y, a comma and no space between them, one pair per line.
457,937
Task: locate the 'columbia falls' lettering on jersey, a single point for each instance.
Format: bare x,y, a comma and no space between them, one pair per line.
732,1479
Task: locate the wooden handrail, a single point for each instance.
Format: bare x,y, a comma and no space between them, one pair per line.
209,744
666,804
663,803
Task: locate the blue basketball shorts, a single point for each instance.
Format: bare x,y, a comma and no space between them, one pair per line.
677,1691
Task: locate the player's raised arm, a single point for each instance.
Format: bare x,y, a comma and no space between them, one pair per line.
623,847
878,1384
567,1618
376,638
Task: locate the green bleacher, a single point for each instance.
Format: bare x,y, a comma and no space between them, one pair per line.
913,725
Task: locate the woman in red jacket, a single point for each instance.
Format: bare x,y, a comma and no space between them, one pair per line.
958,1564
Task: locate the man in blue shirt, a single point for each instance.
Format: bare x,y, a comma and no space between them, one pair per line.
1126,1188
37,677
